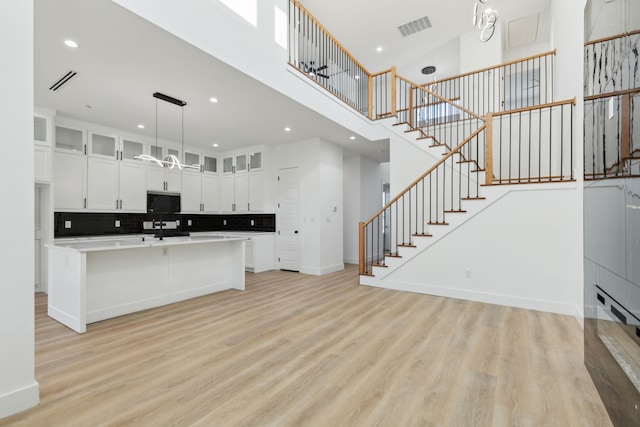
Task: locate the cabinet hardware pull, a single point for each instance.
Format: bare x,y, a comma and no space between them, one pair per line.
85,203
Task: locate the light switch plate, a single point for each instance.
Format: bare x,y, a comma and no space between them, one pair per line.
253,223
189,222
67,224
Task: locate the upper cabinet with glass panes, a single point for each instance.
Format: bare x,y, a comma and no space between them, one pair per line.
242,162
70,139
209,164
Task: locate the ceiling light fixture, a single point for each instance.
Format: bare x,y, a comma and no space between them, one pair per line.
141,126
169,161
213,99
379,49
71,43
357,77
430,69
216,145
287,129
484,20
352,138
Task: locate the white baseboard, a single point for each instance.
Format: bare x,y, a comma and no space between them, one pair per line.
322,271
19,400
489,298
351,261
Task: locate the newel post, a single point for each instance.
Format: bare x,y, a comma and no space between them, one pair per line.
393,91
370,96
361,246
488,149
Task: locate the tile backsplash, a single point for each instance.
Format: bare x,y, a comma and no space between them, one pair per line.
72,224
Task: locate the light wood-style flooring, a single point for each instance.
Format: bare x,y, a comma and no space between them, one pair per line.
296,350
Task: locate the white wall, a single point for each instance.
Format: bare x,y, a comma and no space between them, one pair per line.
320,170
567,37
475,54
18,387
362,184
519,251
407,162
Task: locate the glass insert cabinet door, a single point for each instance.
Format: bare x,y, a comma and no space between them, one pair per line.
241,163
102,145
130,149
69,139
227,165
255,161
210,164
40,129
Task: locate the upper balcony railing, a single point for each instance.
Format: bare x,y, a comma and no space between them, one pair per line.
612,107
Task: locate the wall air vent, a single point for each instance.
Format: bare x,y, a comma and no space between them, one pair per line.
63,80
414,26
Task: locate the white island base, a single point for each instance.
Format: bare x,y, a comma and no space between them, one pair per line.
91,281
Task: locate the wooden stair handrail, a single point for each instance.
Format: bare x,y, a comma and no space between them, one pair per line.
617,36
482,70
431,169
632,91
469,112
535,107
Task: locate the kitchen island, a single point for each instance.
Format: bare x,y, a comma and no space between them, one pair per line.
92,280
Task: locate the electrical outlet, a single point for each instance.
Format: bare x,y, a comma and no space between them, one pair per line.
224,222
189,222
67,224
253,223
177,223
117,223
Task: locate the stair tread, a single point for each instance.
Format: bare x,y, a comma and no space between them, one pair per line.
380,265
456,211
393,256
473,198
406,245
422,235
438,223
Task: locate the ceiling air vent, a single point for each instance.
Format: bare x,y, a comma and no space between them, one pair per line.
63,80
414,26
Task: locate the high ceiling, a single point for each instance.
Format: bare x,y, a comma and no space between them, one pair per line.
123,59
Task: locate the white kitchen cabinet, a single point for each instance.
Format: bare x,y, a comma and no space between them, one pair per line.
102,194
115,185
71,140
191,199
103,146
133,187
42,163
259,251
42,154
199,192
160,178
243,182
70,181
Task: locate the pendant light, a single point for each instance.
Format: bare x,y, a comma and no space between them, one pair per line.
170,161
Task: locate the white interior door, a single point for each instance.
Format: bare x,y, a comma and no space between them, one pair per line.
287,239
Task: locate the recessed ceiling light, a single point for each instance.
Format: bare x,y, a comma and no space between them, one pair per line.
71,43
352,138
357,77
215,145
287,129
379,49
213,99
